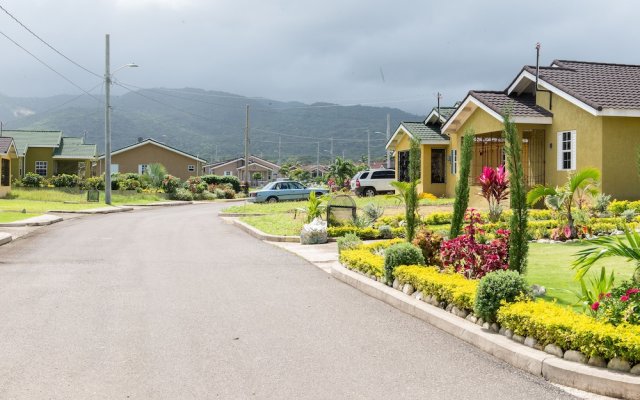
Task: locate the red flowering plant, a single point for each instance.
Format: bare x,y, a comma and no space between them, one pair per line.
495,189
471,258
621,305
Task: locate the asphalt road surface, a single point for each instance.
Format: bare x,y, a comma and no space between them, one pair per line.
173,303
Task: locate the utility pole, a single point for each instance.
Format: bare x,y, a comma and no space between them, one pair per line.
216,159
279,147
107,125
368,149
331,149
246,152
318,159
388,136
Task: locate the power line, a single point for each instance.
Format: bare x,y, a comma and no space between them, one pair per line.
47,44
48,66
315,138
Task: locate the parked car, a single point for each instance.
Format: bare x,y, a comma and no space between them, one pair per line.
284,190
373,181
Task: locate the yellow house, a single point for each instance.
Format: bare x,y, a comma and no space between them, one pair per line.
570,115
7,155
50,153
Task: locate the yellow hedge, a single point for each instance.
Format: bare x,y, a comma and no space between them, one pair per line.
551,323
450,287
363,260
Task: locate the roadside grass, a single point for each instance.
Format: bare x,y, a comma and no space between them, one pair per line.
9,216
277,224
550,266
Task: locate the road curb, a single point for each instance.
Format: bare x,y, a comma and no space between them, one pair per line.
103,210
162,204
596,380
261,235
41,220
5,238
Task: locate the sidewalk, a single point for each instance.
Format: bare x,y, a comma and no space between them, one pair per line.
323,256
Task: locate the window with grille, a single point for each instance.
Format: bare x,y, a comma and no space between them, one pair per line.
41,168
567,151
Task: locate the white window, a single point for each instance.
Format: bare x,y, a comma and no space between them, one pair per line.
567,151
115,168
41,168
227,173
454,161
142,168
191,168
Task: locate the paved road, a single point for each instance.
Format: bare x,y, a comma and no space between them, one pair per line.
173,303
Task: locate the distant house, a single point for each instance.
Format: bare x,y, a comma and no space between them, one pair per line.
7,155
136,158
49,153
264,170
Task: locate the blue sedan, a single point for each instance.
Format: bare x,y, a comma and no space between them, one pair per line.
284,190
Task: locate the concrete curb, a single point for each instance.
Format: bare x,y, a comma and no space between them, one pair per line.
102,210
261,235
161,204
236,215
596,380
40,220
5,238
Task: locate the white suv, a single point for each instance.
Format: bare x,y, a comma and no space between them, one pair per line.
372,182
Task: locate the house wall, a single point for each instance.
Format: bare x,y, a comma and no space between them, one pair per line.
619,152
176,164
589,139
39,154
233,167
4,190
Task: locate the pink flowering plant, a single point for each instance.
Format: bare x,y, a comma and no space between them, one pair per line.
469,256
495,189
621,305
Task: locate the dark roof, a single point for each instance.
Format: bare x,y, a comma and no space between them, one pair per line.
428,132
521,106
5,143
600,85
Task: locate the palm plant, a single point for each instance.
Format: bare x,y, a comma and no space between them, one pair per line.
341,170
610,246
156,173
562,199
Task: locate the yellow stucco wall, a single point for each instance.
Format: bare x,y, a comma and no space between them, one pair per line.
39,154
6,189
620,146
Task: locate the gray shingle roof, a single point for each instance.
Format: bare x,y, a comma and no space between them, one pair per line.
521,106
23,138
446,112
600,85
5,143
425,132
74,147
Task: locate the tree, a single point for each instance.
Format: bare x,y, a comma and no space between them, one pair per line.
156,173
341,170
462,186
408,191
518,243
562,199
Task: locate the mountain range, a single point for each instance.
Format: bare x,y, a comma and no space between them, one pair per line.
211,124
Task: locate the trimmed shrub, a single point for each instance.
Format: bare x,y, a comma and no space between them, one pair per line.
451,288
217,180
182,194
95,182
550,323
32,180
64,180
497,287
205,195
170,184
348,242
438,218
401,254
616,207
429,243
634,205
363,260
363,233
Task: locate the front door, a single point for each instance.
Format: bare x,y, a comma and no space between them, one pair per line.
5,178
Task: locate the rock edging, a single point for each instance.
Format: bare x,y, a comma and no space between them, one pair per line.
526,357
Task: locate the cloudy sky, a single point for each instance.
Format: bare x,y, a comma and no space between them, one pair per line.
397,53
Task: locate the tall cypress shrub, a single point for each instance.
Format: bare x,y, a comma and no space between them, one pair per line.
461,201
518,244
411,206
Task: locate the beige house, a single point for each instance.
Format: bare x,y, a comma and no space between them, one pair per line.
260,171
7,155
137,157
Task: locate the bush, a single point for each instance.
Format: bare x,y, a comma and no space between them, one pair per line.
401,254
550,323
620,306
205,195
95,183
616,207
372,212
217,180
182,194
32,180
634,205
219,193
363,260
438,218
386,232
494,288
363,233
64,180
429,243
348,242
601,202
451,288
128,184
170,184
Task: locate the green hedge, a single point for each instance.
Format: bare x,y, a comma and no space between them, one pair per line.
363,233
218,180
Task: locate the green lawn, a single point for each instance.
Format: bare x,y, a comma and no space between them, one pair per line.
550,266
276,224
8,216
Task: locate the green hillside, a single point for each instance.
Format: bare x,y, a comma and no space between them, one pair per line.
203,122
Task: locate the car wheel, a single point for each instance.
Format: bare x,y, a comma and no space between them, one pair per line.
272,199
369,192
318,194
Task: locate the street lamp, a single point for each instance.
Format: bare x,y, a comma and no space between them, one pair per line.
387,151
107,120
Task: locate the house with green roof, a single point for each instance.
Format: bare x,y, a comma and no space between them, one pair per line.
7,155
50,153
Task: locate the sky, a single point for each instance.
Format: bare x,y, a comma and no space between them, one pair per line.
385,53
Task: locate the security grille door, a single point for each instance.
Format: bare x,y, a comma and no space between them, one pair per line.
4,180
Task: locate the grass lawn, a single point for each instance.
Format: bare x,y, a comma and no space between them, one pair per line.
550,266
276,224
8,216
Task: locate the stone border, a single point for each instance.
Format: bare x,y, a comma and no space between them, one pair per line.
557,370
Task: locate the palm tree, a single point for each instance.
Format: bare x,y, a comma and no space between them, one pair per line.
562,199
156,173
341,170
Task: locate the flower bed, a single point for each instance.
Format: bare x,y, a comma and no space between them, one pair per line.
366,258
363,233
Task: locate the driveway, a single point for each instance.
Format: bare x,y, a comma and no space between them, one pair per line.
173,303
